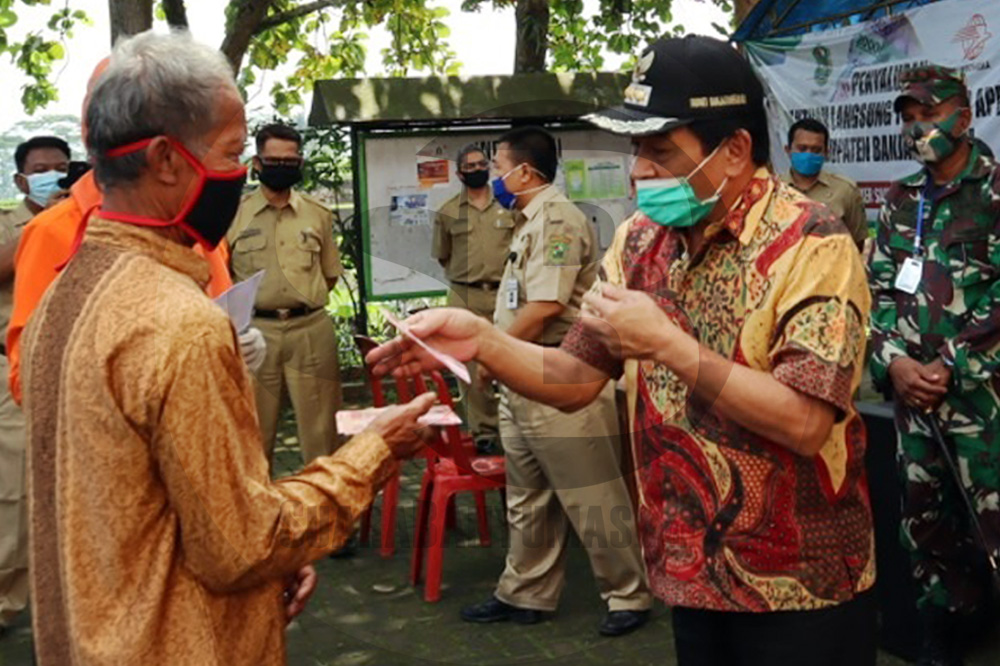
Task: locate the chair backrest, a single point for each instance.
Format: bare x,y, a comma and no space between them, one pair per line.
447,441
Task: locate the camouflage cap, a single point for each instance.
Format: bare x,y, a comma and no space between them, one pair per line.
930,84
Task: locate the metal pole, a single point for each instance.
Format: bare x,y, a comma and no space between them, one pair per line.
931,420
361,319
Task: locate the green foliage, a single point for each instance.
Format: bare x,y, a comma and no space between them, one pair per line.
331,43
579,42
38,52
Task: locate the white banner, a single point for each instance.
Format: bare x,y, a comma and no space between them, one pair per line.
848,79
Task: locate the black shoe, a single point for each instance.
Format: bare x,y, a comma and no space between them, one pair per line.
488,445
619,623
941,643
348,550
495,610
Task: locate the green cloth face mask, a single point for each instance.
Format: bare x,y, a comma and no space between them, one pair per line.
672,202
930,143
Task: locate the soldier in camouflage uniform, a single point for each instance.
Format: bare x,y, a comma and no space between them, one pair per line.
936,339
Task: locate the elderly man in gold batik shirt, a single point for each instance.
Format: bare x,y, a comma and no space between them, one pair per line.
156,534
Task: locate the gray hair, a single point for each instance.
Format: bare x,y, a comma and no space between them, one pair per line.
155,84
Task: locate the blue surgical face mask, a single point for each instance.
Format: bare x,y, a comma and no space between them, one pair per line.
672,202
41,186
807,164
505,197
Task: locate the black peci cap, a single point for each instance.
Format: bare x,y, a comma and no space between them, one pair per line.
679,80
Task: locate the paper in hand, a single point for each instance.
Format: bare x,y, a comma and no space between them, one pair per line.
353,421
238,301
446,360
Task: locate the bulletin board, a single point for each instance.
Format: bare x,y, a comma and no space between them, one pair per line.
407,176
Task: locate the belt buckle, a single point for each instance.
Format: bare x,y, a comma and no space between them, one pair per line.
284,314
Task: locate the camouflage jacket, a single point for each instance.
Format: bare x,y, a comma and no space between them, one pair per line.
955,312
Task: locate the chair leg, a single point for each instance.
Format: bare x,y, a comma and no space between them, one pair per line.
452,515
423,511
435,543
390,500
483,519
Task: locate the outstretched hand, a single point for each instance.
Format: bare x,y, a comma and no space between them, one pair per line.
450,330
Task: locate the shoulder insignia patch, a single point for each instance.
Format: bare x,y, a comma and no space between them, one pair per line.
556,249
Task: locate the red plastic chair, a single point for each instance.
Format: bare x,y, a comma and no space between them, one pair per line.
390,493
451,469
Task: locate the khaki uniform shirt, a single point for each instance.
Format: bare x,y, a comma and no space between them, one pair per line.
553,257
471,243
12,223
840,195
295,247
157,535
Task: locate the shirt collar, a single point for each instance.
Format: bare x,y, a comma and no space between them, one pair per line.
257,202
463,198
822,178
22,214
543,197
147,241
744,217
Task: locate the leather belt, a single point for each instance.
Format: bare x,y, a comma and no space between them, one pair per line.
284,314
485,285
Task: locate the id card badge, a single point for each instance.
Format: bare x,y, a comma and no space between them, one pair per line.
510,294
908,278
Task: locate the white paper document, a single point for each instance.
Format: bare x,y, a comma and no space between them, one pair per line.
238,300
446,360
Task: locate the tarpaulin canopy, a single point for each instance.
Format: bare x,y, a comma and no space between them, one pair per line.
779,18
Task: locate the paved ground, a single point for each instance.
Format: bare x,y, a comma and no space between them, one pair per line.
365,612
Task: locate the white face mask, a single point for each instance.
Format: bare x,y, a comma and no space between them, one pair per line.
41,186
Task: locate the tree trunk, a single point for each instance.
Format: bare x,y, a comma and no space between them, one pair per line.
532,18
246,18
176,13
129,17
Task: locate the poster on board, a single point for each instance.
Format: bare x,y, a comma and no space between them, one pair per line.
848,79
402,196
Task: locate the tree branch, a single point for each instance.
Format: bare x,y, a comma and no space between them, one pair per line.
246,16
298,12
176,13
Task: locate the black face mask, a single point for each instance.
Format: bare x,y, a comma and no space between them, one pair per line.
210,207
213,212
476,179
279,177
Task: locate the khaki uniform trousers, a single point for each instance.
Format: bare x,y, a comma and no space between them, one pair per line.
13,505
301,365
562,470
480,401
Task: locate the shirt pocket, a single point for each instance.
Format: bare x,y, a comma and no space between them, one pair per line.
901,244
249,254
968,256
306,252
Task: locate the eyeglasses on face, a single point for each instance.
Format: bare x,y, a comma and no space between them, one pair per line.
473,166
280,161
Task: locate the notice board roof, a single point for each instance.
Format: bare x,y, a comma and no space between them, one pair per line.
463,100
